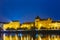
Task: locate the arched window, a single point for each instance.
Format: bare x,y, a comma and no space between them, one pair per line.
56,27
43,27
52,27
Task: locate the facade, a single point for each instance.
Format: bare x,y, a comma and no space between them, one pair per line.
27,25
42,24
13,25
38,23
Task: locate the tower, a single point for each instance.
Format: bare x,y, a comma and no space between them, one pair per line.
37,22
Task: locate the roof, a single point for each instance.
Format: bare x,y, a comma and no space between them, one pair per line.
15,20
46,19
55,21
43,19
28,22
37,17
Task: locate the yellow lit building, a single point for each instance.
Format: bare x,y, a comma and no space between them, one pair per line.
38,23
42,22
46,23
13,24
27,25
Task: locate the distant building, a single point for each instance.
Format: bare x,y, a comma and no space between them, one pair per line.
38,23
42,24
11,25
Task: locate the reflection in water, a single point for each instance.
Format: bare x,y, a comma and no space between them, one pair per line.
20,36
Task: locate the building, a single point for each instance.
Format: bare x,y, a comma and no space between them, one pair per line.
42,24
11,25
27,25
38,23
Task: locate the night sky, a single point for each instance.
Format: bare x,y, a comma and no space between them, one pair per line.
27,10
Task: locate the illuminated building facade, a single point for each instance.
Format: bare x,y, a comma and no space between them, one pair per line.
13,25
42,24
38,23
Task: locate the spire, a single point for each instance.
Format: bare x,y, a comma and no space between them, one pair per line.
37,17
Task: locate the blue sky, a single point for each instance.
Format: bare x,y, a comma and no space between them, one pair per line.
27,10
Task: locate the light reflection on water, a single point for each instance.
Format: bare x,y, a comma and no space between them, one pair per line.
20,36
